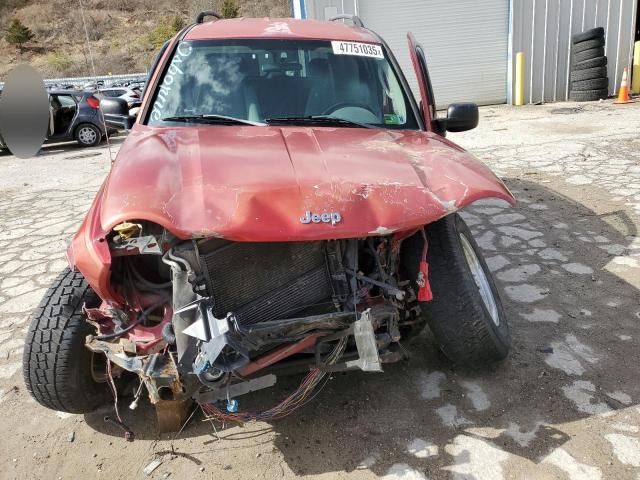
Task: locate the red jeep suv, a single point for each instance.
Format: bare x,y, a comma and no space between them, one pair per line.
282,204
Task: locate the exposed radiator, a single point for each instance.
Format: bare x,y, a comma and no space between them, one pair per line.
267,281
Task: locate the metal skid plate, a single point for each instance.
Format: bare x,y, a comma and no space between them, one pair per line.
235,390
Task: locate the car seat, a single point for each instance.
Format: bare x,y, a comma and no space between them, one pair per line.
322,91
351,88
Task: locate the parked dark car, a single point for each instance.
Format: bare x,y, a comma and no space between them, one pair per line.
74,115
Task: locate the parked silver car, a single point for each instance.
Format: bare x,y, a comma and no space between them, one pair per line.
131,95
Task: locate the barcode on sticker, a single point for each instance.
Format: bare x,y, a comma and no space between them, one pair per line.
359,49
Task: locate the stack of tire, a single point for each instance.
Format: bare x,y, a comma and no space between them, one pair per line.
589,79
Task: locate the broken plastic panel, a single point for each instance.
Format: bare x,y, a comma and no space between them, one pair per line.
365,337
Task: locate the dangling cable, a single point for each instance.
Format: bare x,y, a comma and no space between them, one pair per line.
95,78
114,390
308,389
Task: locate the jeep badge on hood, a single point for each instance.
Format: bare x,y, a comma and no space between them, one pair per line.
331,217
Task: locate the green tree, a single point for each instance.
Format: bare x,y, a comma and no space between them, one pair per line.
167,29
18,33
230,9
177,23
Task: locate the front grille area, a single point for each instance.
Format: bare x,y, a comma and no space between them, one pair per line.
267,281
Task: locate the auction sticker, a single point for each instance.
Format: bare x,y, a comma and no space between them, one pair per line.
359,49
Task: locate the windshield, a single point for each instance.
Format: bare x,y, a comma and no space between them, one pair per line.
281,81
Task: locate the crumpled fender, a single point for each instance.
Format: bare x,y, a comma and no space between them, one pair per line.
89,253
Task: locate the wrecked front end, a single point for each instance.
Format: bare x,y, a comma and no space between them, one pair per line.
208,320
231,277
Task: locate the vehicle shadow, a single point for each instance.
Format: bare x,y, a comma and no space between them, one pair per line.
73,147
573,312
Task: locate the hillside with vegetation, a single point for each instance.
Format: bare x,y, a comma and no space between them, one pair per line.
123,34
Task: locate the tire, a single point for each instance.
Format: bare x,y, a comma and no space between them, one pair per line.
597,32
593,84
582,46
57,367
588,54
587,64
588,95
458,316
88,135
588,74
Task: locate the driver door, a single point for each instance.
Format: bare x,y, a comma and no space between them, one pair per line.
427,99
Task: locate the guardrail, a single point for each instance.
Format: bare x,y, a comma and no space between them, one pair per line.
108,80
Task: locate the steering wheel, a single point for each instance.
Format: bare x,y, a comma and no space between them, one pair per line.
342,105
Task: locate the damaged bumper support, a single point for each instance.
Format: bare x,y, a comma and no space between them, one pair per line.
224,347
220,331
157,371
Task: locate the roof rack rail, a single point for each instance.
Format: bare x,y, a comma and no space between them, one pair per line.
201,15
357,21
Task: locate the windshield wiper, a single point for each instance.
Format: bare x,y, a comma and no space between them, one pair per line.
318,120
211,119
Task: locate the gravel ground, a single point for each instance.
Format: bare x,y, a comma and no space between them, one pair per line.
565,405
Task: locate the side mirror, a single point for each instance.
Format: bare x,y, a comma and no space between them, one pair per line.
461,117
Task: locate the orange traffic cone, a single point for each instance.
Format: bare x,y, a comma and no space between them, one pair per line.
623,93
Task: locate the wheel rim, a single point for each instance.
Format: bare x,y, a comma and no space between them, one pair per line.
480,278
87,135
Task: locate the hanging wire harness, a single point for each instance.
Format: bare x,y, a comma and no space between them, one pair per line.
313,382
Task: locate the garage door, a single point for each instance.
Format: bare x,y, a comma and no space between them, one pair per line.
465,41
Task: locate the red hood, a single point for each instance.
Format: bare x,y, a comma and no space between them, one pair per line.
254,183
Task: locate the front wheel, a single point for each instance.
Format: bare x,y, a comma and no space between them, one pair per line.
88,135
58,368
466,315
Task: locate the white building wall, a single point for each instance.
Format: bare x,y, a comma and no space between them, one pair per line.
465,41
465,44
542,29
325,9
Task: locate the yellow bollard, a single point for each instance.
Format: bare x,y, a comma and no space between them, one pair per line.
635,74
519,83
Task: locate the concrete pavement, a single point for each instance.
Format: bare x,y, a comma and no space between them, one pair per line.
565,405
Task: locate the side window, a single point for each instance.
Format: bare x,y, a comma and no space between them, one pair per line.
66,101
422,60
393,102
